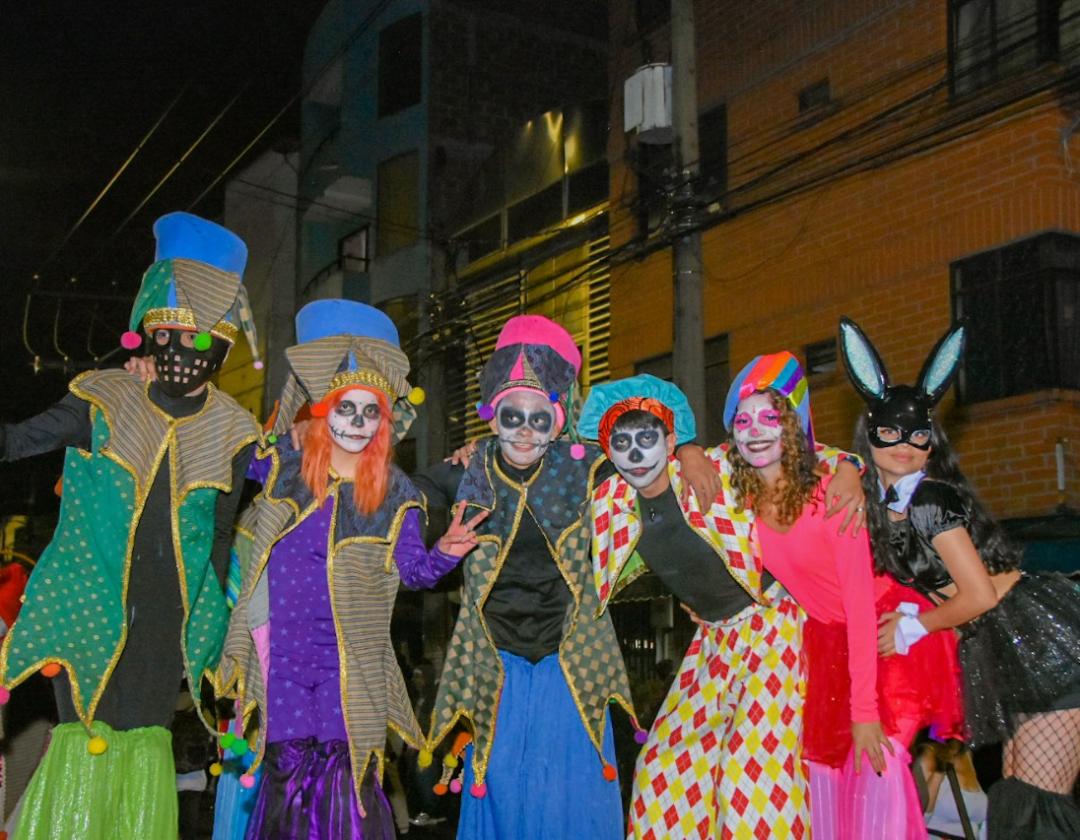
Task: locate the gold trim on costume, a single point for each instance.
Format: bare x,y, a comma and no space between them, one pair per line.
181,317
363,376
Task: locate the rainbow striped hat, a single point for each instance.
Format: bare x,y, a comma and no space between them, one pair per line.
781,372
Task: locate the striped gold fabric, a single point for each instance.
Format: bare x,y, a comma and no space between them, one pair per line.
316,363
207,291
141,432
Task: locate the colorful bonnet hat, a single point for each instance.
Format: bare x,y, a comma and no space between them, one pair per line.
781,372
194,284
342,343
533,353
609,401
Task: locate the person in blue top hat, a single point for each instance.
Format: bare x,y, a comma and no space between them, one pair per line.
308,654
128,599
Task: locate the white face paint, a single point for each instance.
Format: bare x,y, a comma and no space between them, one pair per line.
640,455
758,431
525,424
355,420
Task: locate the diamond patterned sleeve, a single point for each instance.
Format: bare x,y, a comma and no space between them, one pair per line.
830,458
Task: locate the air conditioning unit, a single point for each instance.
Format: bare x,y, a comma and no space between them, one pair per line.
647,104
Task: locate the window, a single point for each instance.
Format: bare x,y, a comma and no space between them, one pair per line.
353,250
712,147
1020,303
992,39
398,203
481,239
400,65
587,187
535,213
814,96
820,357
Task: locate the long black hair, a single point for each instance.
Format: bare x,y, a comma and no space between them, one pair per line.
998,554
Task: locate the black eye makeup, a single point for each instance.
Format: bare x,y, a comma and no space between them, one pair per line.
647,438
511,418
371,411
346,408
540,421
621,442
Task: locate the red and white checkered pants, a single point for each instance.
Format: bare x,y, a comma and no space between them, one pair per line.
723,756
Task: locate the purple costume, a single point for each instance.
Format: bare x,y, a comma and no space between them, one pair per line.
308,791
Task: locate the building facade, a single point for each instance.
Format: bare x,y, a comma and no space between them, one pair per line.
904,163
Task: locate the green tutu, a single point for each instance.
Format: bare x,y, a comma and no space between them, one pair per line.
126,793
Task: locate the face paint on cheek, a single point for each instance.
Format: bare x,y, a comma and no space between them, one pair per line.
525,424
355,420
757,431
639,456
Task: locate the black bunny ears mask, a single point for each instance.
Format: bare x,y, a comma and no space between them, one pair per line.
904,410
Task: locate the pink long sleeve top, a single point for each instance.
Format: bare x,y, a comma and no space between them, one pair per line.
831,577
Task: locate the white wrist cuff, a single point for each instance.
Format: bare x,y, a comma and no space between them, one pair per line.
909,629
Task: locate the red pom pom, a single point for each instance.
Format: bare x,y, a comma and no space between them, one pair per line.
610,774
478,790
130,340
577,451
50,670
5,695
247,781
455,786
440,789
320,409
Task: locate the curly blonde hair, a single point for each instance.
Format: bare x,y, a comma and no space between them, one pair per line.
799,482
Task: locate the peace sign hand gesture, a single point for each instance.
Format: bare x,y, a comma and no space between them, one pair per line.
460,538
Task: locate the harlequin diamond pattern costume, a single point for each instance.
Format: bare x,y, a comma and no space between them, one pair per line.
128,598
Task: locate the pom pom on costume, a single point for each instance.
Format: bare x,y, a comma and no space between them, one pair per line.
130,340
272,439
577,451
417,396
240,748
203,341
450,760
478,790
641,736
455,786
247,781
216,768
425,758
610,773
227,740
320,409
5,695
485,411
97,745
50,670
258,364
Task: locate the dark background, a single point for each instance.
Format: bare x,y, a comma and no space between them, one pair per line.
82,83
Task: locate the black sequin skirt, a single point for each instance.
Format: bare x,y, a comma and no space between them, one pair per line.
1022,657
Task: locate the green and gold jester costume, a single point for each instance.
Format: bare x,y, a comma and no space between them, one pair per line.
128,598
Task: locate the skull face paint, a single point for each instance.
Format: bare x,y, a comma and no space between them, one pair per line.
181,368
354,420
757,430
638,448
525,424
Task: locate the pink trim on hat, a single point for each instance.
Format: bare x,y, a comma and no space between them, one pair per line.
560,414
536,329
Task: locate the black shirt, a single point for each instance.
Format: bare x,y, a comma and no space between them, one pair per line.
688,566
527,606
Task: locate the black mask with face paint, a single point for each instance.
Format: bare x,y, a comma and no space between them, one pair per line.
180,370
904,410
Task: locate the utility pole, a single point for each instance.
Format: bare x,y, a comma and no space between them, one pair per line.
689,346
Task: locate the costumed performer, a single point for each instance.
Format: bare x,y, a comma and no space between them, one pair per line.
128,599
722,758
774,474
337,525
533,663
1020,631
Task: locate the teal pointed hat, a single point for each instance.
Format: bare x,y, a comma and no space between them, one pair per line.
194,284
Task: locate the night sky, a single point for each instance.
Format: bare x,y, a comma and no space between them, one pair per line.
82,84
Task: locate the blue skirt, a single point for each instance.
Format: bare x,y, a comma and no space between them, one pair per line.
544,779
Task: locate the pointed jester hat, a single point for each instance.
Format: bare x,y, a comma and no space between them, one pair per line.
194,284
906,408
532,353
342,343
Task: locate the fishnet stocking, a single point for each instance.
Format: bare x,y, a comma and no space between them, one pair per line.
1045,751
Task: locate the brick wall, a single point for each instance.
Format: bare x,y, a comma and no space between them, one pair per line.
859,213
